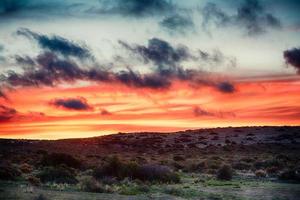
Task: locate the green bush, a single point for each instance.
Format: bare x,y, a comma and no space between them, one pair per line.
56,159
260,173
241,165
120,170
90,184
60,174
9,172
225,173
40,197
290,175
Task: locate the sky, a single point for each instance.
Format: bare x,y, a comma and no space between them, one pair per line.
79,68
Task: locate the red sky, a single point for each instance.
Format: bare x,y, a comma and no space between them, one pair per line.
118,108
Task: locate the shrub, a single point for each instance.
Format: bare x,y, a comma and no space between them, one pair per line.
26,168
225,173
59,174
242,165
120,170
272,170
116,168
290,175
34,181
157,173
56,159
9,172
178,158
213,164
40,197
89,184
260,173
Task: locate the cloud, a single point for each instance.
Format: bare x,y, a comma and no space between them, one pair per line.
134,8
226,87
168,60
10,6
57,44
6,113
50,69
201,112
161,53
177,23
251,16
2,95
105,112
292,57
133,79
79,104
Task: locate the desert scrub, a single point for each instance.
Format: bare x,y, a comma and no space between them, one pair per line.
225,173
121,170
59,174
9,172
90,184
34,181
132,188
57,159
260,173
181,192
26,168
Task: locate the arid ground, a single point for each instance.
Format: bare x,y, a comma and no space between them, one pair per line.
220,163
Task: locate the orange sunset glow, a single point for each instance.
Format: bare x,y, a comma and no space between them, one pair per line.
116,108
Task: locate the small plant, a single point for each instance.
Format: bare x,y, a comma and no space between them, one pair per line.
59,174
26,168
40,197
90,184
120,170
225,173
56,159
260,173
178,158
290,175
9,172
34,181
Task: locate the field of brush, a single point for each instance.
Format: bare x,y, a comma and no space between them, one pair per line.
220,163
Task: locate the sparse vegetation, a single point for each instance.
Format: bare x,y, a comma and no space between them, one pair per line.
225,173
116,168
56,159
9,172
141,165
60,174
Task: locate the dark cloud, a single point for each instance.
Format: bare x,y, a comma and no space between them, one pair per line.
57,44
50,69
11,6
292,57
24,60
251,15
2,58
177,23
2,94
133,79
105,112
226,87
161,53
216,58
135,8
198,112
47,69
6,113
167,61
79,104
